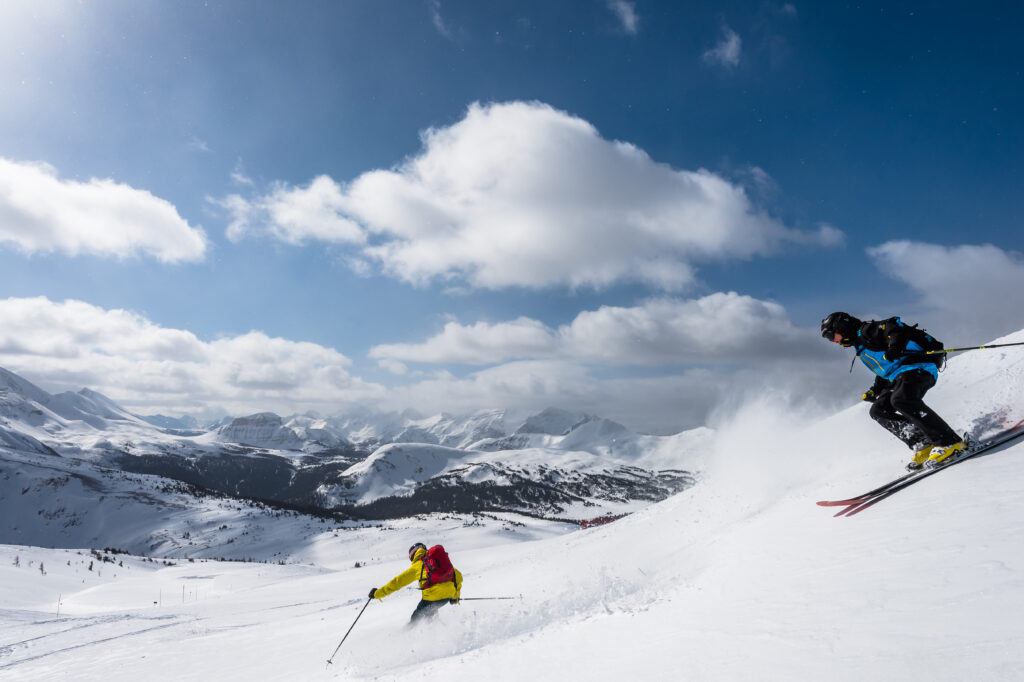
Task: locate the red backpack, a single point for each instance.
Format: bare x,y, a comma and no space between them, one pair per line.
437,568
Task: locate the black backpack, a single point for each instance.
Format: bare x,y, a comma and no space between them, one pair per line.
925,341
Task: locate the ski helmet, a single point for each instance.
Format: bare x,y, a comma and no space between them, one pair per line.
840,323
412,550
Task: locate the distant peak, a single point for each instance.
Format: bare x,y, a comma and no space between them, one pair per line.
258,418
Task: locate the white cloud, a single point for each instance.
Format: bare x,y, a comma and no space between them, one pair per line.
39,212
719,328
481,343
659,404
295,215
438,20
153,369
394,366
727,52
150,368
309,213
239,176
518,385
827,235
626,12
972,289
521,194
754,344
198,144
242,213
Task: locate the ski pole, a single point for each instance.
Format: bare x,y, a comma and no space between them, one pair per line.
331,659
486,598
957,350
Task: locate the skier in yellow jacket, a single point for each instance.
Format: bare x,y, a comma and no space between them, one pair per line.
440,582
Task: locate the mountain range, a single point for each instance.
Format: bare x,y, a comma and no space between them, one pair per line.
554,464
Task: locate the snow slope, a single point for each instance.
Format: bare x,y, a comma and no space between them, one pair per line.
741,577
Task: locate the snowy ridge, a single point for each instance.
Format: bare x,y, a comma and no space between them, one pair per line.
394,469
553,422
407,427
399,469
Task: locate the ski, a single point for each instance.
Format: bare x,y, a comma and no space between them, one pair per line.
869,494
858,505
987,443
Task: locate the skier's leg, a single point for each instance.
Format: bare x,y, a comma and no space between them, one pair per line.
425,610
907,393
883,412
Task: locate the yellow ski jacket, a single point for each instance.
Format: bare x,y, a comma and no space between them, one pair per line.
415,572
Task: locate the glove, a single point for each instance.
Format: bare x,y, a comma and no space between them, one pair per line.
869,395
892,355
373,592
454,601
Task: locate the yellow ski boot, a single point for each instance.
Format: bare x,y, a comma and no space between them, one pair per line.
941,454
920,457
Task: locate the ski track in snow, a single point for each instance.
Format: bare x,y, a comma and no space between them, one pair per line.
92,623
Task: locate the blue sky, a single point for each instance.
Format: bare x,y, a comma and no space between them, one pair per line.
635,208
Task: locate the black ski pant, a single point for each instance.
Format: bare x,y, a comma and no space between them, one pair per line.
426,610
900,409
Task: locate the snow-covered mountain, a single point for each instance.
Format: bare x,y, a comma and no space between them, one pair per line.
558,479
369,430
264,430
184,423
742,577
555,463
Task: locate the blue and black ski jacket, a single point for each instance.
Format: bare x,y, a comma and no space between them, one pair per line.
889,348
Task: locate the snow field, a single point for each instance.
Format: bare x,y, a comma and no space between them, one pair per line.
741,577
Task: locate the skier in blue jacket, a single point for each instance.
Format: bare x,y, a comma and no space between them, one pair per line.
894,351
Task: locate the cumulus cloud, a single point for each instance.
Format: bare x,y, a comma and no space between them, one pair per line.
295,215
974,289
727,51
661,404
150,368
719,328
626,12
478,344
523,195
666,403
41,213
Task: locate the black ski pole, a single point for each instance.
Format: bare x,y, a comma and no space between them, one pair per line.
957,350
331,659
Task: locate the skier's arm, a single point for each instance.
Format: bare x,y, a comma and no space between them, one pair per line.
876,388
895,342
401,580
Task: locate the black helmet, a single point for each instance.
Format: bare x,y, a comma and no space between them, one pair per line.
412,550
841,323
